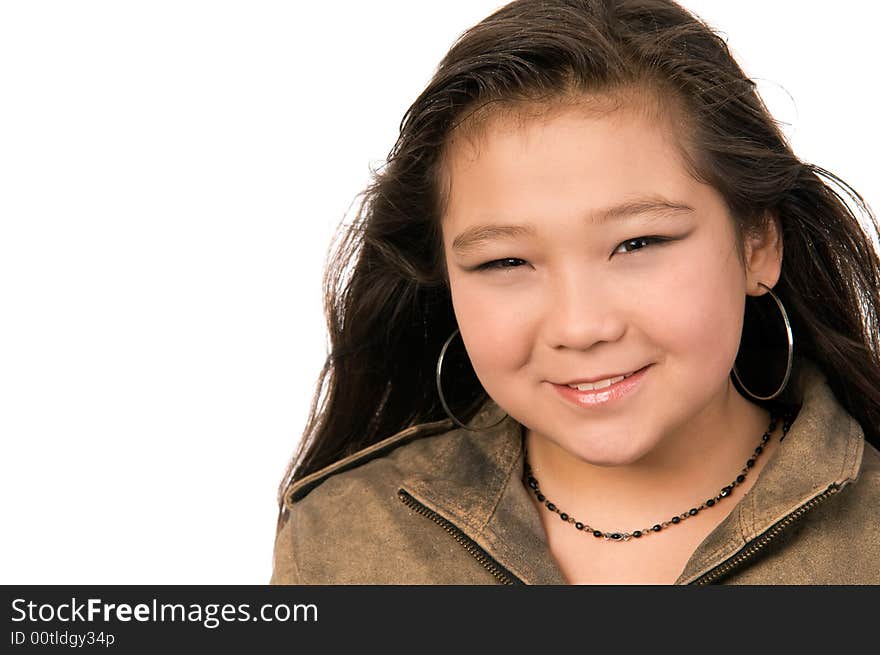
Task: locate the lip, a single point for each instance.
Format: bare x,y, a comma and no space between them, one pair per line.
598,378
606,396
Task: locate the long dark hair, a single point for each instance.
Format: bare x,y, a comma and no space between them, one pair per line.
387,298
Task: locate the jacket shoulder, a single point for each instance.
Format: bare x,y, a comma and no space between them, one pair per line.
340,525
869,473
851,517
837,542
416,442
846,544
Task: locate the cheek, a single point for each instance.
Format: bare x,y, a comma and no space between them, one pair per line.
701,312
493,327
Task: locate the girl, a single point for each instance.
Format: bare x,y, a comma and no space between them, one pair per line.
601,326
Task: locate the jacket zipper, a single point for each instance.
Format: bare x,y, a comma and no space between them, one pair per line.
491,565
755,546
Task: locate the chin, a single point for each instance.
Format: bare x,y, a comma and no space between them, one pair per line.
608,454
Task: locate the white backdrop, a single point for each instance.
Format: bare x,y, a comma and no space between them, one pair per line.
170,174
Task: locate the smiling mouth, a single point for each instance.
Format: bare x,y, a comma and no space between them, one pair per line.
601,384
606,395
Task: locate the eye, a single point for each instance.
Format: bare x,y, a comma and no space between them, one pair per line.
641,240
508,263
496,264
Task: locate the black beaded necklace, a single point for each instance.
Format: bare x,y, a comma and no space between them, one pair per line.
636,534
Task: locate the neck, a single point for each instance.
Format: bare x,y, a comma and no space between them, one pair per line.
687,466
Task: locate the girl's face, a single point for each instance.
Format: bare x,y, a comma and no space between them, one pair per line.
563,206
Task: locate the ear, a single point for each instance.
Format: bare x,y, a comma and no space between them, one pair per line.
763,256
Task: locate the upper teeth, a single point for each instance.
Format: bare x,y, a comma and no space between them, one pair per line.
601,384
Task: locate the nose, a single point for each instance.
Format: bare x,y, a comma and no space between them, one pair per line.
581,311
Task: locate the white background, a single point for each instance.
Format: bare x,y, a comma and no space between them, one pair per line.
170,175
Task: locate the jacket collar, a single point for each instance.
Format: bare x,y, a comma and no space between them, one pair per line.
476,483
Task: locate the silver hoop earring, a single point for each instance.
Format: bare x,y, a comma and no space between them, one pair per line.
790,339
440,390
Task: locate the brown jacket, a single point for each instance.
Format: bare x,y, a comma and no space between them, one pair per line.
434,505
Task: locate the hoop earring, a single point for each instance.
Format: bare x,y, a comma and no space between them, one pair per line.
440,390
790,339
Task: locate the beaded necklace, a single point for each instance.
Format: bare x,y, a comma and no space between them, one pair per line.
675,520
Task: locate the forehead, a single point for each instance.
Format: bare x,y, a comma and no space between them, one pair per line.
569,158
493,118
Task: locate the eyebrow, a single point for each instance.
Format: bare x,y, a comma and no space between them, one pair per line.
476,236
